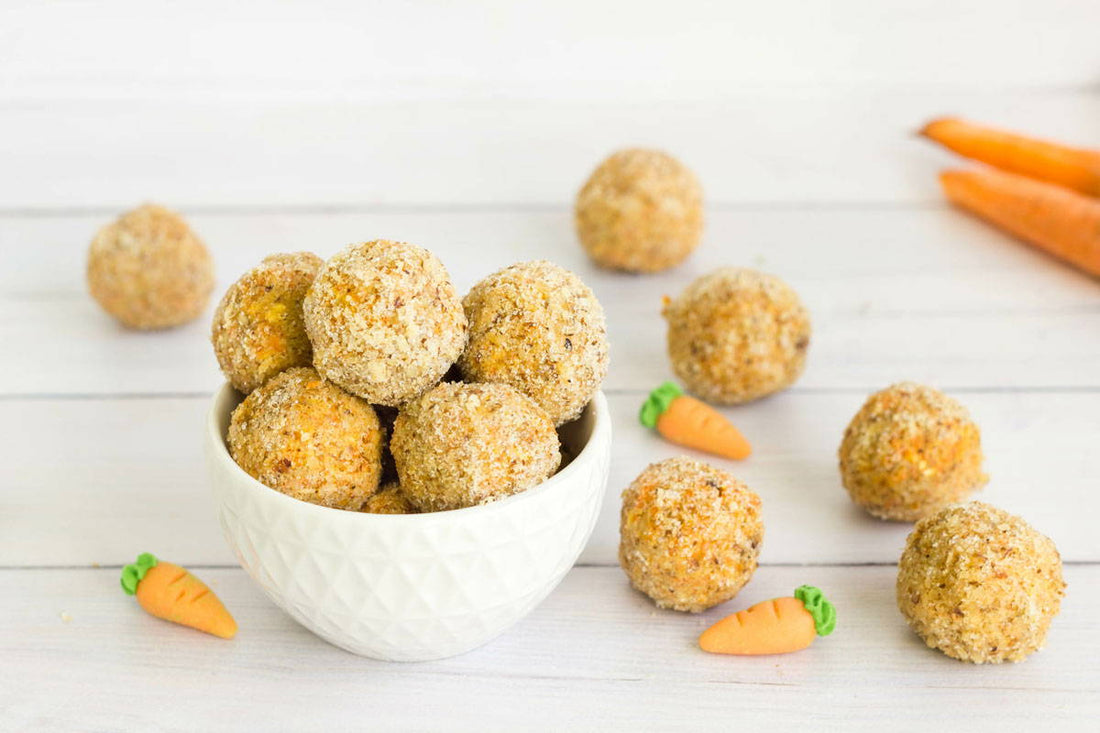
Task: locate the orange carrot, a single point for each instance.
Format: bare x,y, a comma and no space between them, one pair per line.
1074,168
777,626
1061,222
169,592
687,421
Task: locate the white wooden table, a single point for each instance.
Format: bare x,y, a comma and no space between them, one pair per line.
468,130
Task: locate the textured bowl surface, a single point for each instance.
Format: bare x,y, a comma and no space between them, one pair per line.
412,587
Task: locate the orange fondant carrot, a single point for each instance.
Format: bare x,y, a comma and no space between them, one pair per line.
1059,221
687,421
169,592
777,626
1074,168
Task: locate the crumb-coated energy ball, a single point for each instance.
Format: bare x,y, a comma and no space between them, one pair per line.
910,451
464,444
979,584
385,321
309,439
538,328
640,211
389,499
735,335
149,270
689,534
259,329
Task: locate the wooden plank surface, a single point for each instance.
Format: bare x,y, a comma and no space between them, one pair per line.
468,130
924,294
595,655
117,475
809,146
537,49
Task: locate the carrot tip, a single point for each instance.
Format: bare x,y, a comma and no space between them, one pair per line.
657,403
135,572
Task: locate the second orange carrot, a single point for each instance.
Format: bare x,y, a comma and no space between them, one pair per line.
1058,221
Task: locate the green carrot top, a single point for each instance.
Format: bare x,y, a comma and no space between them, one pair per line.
823,612
658,401
133,573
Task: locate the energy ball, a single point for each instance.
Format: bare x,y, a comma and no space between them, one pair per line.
464,444
735,335
389,499
149,270
640,211
259,329
979,584
538,328
309,439
910,451
385,321
689,534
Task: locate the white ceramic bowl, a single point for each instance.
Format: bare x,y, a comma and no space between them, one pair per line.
411,587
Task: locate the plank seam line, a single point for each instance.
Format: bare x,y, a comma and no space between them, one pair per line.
580,566
613,392
442,208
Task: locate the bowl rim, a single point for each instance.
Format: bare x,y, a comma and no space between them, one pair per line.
219,451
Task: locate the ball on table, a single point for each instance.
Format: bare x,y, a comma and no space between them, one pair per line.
910,451
735,335
149,270
690,534
640,211
979,584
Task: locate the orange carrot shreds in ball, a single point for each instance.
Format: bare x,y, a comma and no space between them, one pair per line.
778,626
259,329
169,592
1074,168
689,422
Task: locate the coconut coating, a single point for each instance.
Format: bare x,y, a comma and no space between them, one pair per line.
640,211
309,439
979,584
735,335
464,444
259,329
538,328
389,499
149,270
385,321
690,534
910,451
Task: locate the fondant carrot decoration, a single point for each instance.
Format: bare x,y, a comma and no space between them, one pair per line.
169,592
687,421
777,626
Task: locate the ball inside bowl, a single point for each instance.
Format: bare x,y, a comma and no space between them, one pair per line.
418,586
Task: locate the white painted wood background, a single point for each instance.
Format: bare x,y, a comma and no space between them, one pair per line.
467,129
